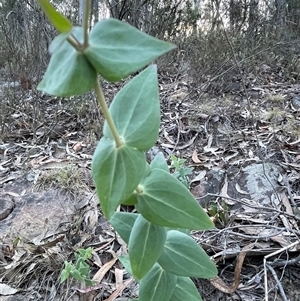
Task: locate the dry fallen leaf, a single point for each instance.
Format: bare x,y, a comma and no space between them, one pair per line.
195,157
6,290
119,278
224,194
199,177
218,283
77,147
239,190
104,269
119,290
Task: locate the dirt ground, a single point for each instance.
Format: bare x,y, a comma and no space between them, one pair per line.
243,146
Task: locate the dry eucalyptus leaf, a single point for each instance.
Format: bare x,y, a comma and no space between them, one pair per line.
6,290
195,157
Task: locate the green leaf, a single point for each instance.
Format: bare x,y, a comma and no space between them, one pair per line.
157,285
89,282
123,223
69,72
68,266
57,42
77,275
183,257
126,263
116,172
185,290
185,231
177,163
167,202
85,253
135,111
146,243
159,162
83,269
59,21
64,276
118,49
132,200
66,271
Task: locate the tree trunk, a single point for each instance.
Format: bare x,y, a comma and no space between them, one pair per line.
294,14
80,11
253,17
95,11
280,17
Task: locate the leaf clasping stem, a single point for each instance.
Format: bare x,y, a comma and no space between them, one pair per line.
74,42
107,116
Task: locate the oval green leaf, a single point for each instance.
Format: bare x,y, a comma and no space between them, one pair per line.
166,202
185,231
69,72
146,243
59,21
57,42
185,290
135,110
116,173
157,285
123,223
182,256
118,49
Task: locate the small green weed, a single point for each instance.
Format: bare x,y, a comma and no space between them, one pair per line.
79,271
219,212
181,172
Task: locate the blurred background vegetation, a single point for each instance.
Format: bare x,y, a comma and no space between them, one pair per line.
212,36
259,31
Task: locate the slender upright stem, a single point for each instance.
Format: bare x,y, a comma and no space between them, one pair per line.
87,10
107,116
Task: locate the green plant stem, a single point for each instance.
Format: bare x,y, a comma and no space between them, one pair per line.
107,116
87,9
74,42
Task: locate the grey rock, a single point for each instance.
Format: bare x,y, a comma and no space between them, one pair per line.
296,101
6,206
261,181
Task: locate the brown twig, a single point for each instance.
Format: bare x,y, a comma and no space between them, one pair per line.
218,283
